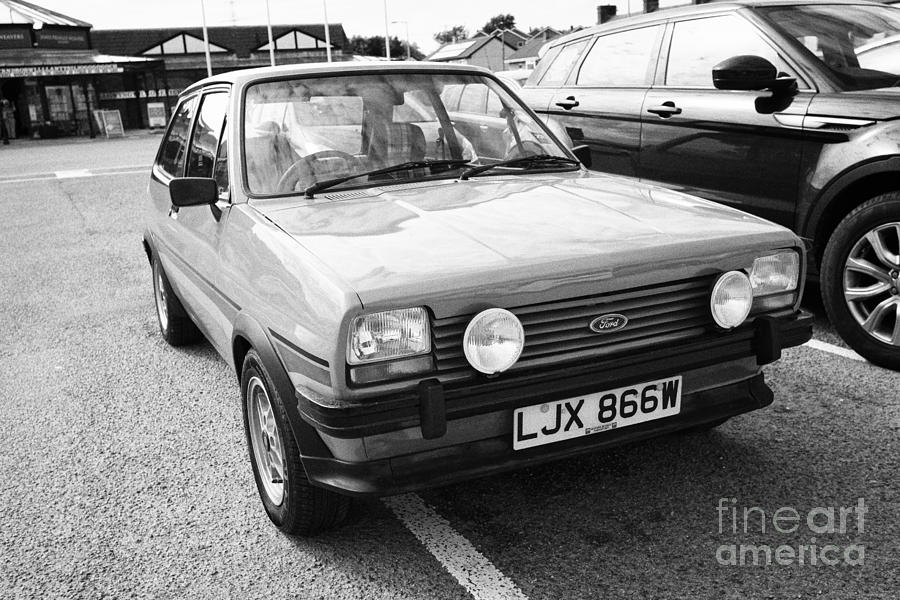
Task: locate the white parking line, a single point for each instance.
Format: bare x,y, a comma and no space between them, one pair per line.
73,173
78,173
455,553
832,349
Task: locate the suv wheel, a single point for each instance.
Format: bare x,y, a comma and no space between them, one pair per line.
861,279
294,505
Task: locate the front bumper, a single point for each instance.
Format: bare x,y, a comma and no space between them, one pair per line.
432,405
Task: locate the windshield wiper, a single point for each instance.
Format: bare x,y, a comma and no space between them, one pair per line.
414,164
526,162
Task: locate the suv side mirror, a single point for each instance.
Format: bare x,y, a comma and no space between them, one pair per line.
749,72
583,154
193,191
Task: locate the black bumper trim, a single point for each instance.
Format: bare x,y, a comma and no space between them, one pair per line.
495,455
763,340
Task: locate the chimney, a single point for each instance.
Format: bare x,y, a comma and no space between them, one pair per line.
605,13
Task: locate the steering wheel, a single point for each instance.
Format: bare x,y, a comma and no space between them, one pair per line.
305,169
523,149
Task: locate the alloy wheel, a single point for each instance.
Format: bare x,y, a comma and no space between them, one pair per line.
265,438
872,283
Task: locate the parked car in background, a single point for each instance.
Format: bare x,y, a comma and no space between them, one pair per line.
406,304
789,110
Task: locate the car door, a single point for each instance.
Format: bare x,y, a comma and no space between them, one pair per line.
600,103
742,148
189,239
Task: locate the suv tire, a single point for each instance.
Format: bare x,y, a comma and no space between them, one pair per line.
861,279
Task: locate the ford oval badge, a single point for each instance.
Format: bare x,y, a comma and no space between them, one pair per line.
609,323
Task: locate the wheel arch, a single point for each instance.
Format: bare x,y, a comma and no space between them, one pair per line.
249,334
846,193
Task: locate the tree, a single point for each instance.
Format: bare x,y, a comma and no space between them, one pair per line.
454,34
374,46
499,22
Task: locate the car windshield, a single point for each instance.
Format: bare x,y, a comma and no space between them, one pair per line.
302,131
860,45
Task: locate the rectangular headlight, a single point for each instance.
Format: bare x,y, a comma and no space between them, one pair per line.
389,334
775,274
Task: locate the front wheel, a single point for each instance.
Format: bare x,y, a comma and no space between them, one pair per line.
861,279
294,505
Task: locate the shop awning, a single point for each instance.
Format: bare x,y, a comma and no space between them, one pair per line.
55,64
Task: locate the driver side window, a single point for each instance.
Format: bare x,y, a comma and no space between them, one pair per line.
700,44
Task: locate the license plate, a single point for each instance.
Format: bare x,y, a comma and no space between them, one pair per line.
594,413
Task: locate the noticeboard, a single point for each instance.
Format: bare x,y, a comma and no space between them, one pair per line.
109,122
156,114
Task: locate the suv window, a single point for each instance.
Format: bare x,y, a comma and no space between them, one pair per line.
205,140
621,59
473,99
558,71
171,156
700,44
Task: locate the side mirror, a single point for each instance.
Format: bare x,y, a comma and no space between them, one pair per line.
583,154
193,191
749,72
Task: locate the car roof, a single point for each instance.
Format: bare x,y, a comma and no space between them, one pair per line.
245,76
627,22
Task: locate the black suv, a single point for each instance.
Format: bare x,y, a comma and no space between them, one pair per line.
788,110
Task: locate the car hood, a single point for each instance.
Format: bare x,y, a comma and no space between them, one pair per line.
515,236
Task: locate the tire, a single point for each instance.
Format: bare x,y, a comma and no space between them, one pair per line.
175,325
294,505
860,280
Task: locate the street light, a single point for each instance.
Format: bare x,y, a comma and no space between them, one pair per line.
387,35
269,29
408,51
327,30
206,40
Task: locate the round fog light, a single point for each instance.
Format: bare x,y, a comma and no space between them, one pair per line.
731,299
493,340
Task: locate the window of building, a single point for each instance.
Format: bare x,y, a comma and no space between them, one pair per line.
622,59
183,43
700,44
294,40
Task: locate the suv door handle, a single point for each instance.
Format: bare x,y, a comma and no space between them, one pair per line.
568,104
665,110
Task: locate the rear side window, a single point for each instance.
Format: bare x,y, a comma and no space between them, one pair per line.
700,44
622,59
205,140
473,99
558,71
171,157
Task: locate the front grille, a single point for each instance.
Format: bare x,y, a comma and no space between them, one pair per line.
560,331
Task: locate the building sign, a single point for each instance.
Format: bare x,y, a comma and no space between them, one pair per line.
71,38
156,114
55,70
15,36
131,95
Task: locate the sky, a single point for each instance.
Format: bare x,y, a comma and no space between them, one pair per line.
359,17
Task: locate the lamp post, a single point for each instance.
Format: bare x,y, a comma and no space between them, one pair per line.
387,35
269,29
327,30
206,40
408,51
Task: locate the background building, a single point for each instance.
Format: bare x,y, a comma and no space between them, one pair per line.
54,77
56,70
181,48
483,50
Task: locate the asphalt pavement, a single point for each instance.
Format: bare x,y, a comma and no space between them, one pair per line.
124,472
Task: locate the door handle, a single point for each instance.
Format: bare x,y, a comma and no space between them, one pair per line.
568,104
665,110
